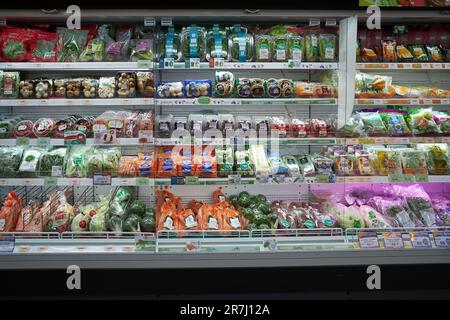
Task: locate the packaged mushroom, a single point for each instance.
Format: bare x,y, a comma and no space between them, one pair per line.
89,87
42,89
145,84
223,84
197,88
250,88
107,87
73,88
26,89
59,89
280,88
170,90
126,84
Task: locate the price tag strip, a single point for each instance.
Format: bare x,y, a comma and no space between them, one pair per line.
368,240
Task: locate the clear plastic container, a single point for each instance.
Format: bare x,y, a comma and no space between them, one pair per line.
263,48
170,45
217,44
193,43
242,45
279,48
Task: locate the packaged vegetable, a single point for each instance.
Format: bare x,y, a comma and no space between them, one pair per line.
170,45
353,128
419,202
15,44
414,162
434,53
43,89
23,128
394,162
306,165
9,84
442,208
145,84
250,88
43,47
369,55
312,47
94,51
70,44
327,47
226,124
197,88
43,127
117,50
344,164
279,48
262,126
59,88
320,128
373,86
52,163
223,84
164,125
304,89
193,42
389,52
263,48
259,159
403,53
241,45
10,159
277,165
126,84
73,88
244,165
296,48
107,87
170,90
217,44
26,89
293,168
89,88
142,49
363,163
373,124
279,126
437,158
10,212
28,168
30,219
419,53
374,219
395,123
421,122
76,166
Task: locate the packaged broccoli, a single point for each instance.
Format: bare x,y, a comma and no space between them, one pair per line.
217,44
241,45
263,48
327,47
193,42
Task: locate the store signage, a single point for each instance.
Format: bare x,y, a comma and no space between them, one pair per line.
74,137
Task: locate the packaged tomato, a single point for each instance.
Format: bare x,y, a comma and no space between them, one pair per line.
43,127
23,128
280,126
320,128
300,128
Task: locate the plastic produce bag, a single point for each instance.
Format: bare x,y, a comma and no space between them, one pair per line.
29,166
263,48
421,122
52,163
43,47
414,162
437,158
10,159
15,44
327,47
395,123
117,50
373,124
71,43
419,203
94,51
76,166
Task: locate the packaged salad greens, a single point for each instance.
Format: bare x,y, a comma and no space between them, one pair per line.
373,124
217,44
76,166
241,45
419,53
296,48
94,51
43,47
327,47
312,47
443,121
10,158
394,210
413,162
170,45
263,48
193,42
117,50
419,203
9,84
403,54
434,53
437,158
70,44
52,163
421,122
279,48
373,86
395,122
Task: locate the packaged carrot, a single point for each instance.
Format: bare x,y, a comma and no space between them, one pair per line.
209,218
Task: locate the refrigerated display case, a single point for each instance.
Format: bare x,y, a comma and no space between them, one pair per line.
293,140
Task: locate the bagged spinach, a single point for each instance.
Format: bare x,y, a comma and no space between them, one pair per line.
10,158
52,163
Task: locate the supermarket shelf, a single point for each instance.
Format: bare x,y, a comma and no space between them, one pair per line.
403,66
230,180
130,260
402,101
258,65
45,66
60,142
77,102
249,101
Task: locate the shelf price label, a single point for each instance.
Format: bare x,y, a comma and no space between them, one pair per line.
420,239
7,244
191,180
22,141
144,64
177,180
400,178
43,142
422,177
368,240
142,182
322,178
441,239
392,240
169,63
50,181
218,62
102,179
234,179
194,63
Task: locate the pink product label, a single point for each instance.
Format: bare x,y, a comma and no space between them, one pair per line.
143,45
22,128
